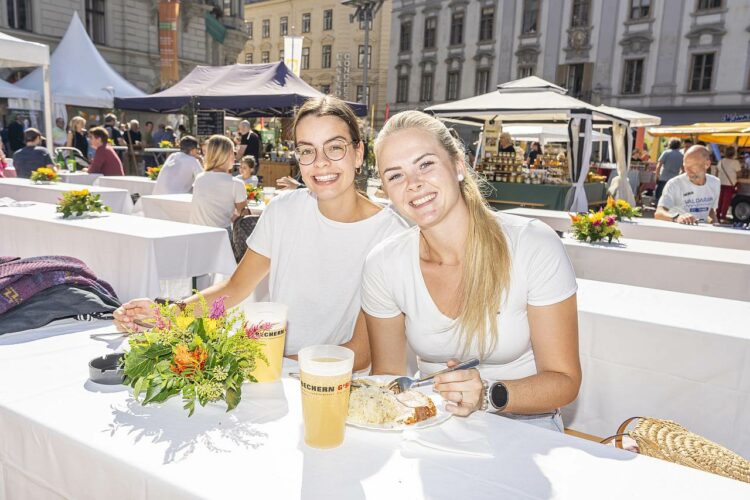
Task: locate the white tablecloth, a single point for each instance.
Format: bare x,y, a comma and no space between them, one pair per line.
24,190
64,435
79,177
131,253
160,154
716,272
651,229
176,207
666,355
132,183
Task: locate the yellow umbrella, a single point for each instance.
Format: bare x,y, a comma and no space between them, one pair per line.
742,138
683,131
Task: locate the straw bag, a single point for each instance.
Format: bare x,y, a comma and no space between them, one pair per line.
668,440
241,229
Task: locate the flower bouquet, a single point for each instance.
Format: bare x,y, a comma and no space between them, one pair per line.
202,358
254,193
621,209
165,144
153,172
80,202
111,141
595,226
44,175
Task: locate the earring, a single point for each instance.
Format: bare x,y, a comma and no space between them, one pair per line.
460,177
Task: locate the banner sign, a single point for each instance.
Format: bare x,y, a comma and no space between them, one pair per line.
169,13
293,53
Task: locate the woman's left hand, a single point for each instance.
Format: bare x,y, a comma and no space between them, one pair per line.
463,388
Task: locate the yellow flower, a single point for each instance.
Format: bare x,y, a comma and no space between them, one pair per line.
623,204
183,322
210,325
610,202
81,193
596,216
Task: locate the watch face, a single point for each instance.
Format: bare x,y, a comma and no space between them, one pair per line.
499,395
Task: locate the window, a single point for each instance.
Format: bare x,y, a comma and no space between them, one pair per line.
430,32
326,62
19,14
425,87
640,9
249,58
266,28
487,24
281,55
361,56
326,88
265,56
482,84
362,15
95,20
574,80
632,76
709,4
454,80
402,88
404,41
328,21
229,7
360,93
580,14
524,71
530,21
284,26
305,57
306,23
249,27
701,72
457,28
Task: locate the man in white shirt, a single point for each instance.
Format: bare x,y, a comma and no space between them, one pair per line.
694,195
59,135
180,170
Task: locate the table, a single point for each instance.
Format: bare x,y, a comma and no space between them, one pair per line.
666,355
64,435
78,177
160,154
25,190
701,270
132,183
651,229
549,196
176,207
131,253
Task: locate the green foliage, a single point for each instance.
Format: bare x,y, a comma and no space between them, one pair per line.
80,202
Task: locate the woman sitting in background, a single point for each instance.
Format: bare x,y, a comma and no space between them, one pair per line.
247,167
218,198
77,136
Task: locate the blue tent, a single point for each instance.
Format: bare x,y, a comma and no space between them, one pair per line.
246,90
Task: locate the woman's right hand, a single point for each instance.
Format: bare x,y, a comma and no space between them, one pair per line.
139,309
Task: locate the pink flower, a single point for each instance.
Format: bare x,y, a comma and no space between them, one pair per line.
253,331
610,220
596,223
218,308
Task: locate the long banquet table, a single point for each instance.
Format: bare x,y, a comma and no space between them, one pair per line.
663,354
78,177
651,229
25,190
66,437
176,207
131,253
134,184
701,270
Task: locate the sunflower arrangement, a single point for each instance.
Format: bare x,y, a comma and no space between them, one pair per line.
254,193
80,202
165,144
595,226
621,209
202,358
153,172
44,174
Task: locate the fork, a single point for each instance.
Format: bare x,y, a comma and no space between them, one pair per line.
401,384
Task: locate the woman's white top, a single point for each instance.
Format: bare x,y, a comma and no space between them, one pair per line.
214,197
316,265
541,274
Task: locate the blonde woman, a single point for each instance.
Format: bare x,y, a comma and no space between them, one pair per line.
218,198
468,282
77,136
312,242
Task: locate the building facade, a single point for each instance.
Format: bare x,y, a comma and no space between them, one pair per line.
684,60
333,48
126,32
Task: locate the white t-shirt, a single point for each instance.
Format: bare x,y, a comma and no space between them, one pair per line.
316,265
214,197
541,274
178,174
726,171
682,196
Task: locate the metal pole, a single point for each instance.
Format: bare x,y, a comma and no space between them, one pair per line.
368,12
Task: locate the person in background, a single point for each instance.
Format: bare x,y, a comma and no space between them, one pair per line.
3,161
106,161
686,144
59,135
110,124
506,143
534,151
668,167
148,142
218,198
169,134
247,171
159,135
181,131
249,143
133,136
77,136
726,170
32,156
693,196
16,138
180,170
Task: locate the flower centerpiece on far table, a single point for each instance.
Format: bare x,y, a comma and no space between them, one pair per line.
621,209
254,193
44,175
595,226
165,144
202,358
77,203
153,172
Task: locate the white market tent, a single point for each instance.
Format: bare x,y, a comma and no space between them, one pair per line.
17,53
546,133
533,100
79,74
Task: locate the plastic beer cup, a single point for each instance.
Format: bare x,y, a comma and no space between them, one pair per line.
269,320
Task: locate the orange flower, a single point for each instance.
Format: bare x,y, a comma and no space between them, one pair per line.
610,202
184,359
575,218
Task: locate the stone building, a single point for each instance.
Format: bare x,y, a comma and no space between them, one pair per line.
684,60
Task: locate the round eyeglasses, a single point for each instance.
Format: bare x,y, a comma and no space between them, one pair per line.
334,150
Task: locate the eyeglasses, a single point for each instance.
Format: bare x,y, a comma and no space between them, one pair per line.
334,150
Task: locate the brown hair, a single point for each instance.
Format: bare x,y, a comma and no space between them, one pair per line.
729,152
329,106
249,160
100,133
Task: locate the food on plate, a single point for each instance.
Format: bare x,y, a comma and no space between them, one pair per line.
371,403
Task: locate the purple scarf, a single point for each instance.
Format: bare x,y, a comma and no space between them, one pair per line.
21,279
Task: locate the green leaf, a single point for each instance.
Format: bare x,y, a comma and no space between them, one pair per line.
233,398
138,387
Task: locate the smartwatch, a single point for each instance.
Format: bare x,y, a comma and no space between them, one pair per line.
497,396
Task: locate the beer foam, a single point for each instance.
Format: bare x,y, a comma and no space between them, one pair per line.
326,360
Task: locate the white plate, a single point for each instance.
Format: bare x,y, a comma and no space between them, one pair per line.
442,414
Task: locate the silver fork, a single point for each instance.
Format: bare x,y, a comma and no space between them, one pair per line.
401,384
